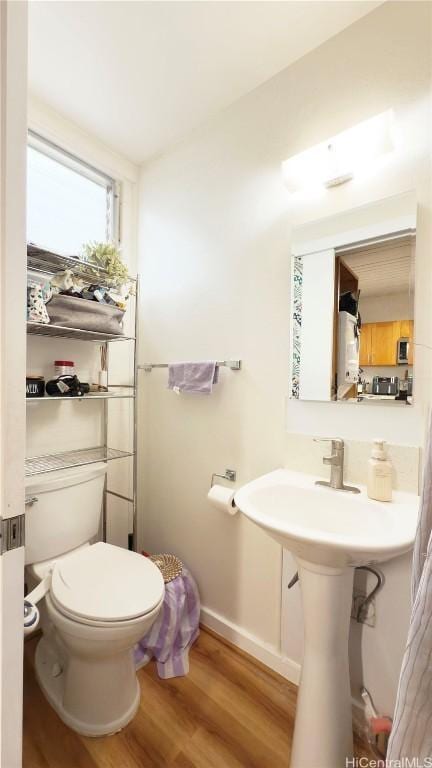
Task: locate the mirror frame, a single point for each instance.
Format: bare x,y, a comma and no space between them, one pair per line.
383,220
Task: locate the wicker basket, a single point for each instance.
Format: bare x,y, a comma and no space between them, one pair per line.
169,565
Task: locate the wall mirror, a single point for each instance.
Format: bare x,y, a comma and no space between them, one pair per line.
353,319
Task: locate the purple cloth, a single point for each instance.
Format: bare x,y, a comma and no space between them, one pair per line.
193,377
174,631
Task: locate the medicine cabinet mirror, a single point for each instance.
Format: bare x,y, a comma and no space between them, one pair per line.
353,319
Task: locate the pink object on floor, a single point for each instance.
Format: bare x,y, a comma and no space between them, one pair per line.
380,725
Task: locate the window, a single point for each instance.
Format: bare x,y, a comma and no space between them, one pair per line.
68,201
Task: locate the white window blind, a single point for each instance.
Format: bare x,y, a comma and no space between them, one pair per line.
68,201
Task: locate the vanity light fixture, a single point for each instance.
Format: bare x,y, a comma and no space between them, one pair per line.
349,154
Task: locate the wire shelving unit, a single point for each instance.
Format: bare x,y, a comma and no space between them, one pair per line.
47,263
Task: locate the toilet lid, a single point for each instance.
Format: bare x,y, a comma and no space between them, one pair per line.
107,583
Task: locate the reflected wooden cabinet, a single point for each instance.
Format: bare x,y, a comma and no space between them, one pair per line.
378,342
365,355
384,343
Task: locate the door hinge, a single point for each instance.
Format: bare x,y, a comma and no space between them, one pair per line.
12,533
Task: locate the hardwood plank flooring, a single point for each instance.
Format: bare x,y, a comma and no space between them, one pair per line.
229,712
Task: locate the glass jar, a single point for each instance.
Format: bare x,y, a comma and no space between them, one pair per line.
64,368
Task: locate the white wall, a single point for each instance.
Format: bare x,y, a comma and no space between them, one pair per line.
215,232
392,306
56,426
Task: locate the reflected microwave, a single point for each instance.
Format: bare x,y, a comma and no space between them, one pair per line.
402,351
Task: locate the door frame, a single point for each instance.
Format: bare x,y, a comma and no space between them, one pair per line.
13,143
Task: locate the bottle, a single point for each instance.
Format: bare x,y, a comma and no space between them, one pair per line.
379,481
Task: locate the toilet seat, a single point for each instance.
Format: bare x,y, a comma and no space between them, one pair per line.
106,585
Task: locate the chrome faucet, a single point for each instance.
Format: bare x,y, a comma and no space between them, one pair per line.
336,462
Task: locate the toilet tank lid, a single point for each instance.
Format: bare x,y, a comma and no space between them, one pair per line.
62,478
107,583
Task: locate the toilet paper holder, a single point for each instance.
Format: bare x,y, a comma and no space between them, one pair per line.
230,474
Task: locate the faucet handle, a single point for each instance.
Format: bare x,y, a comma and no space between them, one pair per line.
336,441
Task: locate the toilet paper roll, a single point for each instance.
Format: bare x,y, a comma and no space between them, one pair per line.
222,498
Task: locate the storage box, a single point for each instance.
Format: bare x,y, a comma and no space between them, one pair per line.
35,386
72,312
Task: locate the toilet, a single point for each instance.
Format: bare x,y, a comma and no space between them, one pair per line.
99,600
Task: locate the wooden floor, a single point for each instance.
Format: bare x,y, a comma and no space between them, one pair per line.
227,713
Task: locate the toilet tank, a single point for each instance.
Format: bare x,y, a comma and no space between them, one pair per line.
66,510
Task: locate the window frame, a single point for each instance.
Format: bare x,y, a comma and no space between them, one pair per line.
75,163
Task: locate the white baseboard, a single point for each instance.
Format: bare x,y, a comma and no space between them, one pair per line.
265,653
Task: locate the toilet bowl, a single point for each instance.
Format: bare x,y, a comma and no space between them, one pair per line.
100,600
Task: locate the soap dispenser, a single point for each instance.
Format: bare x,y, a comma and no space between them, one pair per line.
379,482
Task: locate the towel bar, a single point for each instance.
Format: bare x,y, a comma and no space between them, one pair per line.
235,365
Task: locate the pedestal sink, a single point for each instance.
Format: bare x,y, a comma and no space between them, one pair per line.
329,532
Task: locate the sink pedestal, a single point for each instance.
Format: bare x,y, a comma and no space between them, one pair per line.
329,532
323,725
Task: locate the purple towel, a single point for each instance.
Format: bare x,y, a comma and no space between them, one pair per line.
193,377
174,631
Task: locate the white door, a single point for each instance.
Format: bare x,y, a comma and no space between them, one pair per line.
13,141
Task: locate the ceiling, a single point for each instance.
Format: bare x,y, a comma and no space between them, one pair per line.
142,75
385,269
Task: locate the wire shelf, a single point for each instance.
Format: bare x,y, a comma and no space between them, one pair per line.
38,465
41,260
59,331
89,396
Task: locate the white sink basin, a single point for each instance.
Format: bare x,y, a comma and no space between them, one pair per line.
328,527
329,532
